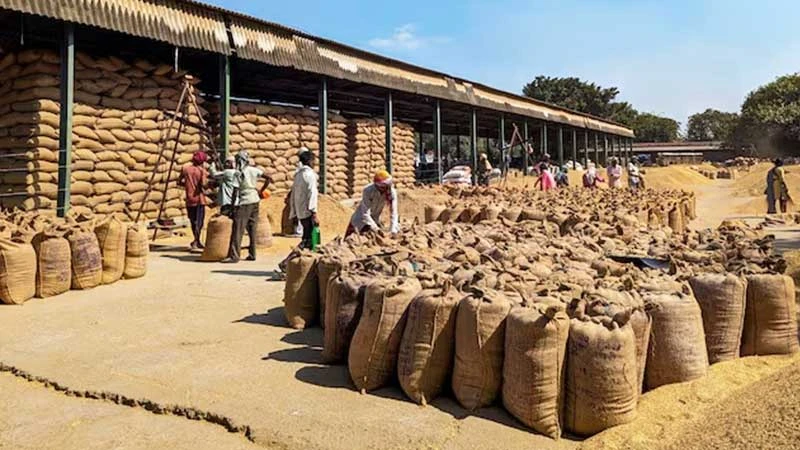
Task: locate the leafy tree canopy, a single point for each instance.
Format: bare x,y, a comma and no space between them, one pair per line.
712,125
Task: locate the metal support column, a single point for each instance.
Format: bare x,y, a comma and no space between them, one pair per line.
323,136
387,117
65,120
560,147
605,150
437,137
586,148
596,149
543,139
575,149
630,149
473,144
502,141
525,162
225,106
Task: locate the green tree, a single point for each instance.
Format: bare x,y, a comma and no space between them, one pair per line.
712,125
652,128
572,93
770,118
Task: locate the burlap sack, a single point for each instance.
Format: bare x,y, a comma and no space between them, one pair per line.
111,235
677,341
87,261
770,320
301,293
17,271
426,349
218,239
600,389
722,301
536,342
327,267
433,213
373,351
137,249
264,229
53,263
480,340
344,301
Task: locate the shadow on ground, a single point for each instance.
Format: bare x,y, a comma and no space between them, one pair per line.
191,257
274,318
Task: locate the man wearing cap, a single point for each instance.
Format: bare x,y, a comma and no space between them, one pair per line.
227,182
193,179
375,197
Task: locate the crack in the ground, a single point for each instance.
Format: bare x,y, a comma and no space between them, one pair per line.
156,408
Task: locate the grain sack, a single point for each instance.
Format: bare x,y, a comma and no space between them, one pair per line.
301,293
722,301
600,389
111,234
53,263
770,319
137,249
218,239
426,349
87,261
433,213
264,229
536,341
372,358
344,301
17,271
480,340
327,266
677,342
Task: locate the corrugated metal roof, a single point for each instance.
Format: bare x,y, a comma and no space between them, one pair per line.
186,23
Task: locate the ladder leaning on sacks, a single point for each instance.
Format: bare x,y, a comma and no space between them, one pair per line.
180,115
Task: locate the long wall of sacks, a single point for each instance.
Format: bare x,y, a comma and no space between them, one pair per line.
119,123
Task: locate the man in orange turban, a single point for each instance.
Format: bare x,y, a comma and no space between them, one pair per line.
376,196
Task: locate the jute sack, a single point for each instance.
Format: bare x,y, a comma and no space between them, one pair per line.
426,349
344,301
111,235
536,342
218,239
137,248
722,301
87,261
433,213
373,351
264,229
677,342
480,340
770,320
53,263
327,266
301,293
600,389
17,271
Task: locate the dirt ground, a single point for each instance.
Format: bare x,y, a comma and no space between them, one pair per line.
196,355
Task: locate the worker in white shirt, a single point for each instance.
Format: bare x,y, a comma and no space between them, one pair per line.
304,197
374,199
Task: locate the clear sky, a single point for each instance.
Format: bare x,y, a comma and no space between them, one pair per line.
670,57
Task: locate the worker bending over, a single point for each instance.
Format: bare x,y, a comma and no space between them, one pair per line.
376,196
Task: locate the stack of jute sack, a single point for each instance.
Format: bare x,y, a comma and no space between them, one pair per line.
367,152
44,256
536,315
119,128
274,135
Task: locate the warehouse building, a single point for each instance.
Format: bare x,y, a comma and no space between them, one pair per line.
147,83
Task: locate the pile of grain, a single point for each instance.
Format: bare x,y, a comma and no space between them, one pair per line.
119,127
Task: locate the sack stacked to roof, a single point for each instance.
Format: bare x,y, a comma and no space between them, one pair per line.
119,127
274,135
367,152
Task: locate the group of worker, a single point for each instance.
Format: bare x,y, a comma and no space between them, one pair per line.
239,196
